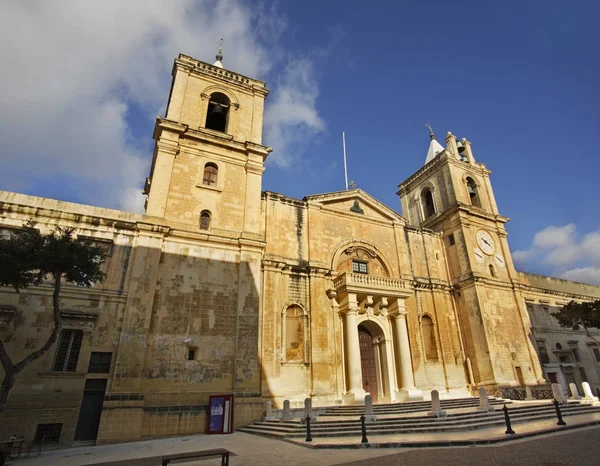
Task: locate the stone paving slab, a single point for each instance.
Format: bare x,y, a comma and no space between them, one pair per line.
246,449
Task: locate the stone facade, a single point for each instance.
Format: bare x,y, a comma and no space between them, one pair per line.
221,288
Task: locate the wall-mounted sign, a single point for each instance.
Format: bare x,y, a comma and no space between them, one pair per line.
220,414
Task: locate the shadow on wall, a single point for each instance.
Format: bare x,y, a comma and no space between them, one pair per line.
138,357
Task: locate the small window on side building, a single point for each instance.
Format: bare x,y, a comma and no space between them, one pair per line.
67,350
191,354
100,363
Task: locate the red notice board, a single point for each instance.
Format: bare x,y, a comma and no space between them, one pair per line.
220,414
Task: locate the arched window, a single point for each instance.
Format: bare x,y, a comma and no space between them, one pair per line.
492,271
294,334
429,342
473,192
205,220
218,111
210,174
427,202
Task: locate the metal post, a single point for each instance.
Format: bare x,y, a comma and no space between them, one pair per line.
308,437
363,428
559,414
507,420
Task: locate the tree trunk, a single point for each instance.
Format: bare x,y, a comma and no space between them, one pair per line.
7,385
11,370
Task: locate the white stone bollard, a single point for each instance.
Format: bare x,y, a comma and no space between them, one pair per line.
369,414
269,412
484,403
574,392
436,407
287,412
587,392
528,393
558,393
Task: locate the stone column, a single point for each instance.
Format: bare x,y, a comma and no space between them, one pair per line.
354,371
484,402
407,391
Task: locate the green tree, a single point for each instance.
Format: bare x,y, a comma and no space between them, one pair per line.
27,258
577,316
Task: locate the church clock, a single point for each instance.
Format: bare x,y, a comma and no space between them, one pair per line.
485,242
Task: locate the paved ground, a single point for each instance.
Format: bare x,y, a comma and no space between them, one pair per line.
579,447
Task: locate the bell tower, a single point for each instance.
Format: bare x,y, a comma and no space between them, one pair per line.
208,159
452,194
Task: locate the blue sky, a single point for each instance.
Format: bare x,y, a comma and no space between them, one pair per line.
519,79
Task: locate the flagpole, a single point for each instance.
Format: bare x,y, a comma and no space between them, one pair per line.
345,167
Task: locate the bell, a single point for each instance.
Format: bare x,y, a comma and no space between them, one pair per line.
217,109
471,191
460,147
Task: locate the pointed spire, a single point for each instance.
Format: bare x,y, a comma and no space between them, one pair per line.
219,55
434,147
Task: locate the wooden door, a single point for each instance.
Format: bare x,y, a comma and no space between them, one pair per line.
367,363
91,410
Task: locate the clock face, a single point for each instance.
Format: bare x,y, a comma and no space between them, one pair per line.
479,255
499,260
485,242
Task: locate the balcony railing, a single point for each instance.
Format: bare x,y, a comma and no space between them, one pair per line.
351,281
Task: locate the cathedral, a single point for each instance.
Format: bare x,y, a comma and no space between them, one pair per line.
221,288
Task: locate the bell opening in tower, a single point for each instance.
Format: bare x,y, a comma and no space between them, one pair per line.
218,112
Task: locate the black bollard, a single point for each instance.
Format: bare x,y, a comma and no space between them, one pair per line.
507,420
308,437
363,428
559,414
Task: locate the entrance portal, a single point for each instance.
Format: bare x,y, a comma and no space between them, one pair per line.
368,362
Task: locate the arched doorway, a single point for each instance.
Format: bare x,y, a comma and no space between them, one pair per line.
368,362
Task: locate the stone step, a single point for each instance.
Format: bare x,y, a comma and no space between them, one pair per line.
458,422
514,410
409,407
432,426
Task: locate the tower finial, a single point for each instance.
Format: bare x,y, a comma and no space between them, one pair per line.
431,135
219,55
220,51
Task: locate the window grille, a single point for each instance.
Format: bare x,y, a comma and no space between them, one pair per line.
49,433
359,267
100,363
192,354
67,351
205,220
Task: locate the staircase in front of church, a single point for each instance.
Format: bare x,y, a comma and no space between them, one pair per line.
411,418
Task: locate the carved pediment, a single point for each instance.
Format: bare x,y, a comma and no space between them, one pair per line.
356,202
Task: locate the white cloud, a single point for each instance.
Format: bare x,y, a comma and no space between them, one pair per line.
522,255
292,116
583,274
553,236
570,258
72,70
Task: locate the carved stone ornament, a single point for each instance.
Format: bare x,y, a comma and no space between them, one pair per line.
356,208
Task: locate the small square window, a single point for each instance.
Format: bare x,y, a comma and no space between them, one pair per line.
359,267
192,354
100,363
451,240
49,433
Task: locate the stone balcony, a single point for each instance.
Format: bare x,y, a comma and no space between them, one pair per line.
370,285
